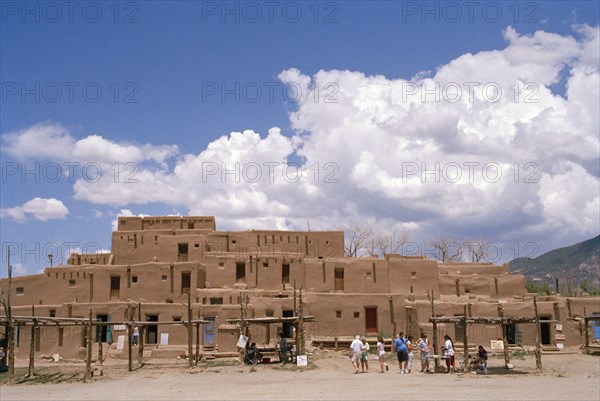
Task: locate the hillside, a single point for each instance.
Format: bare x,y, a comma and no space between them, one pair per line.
582,260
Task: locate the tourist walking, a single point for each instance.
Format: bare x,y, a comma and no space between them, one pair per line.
381,354
409,347
423,346
364,355
356,348
401,352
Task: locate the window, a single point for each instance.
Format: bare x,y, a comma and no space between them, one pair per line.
177,318
240,272
163,277
413,274
52,312
72,283
266,264
356,315
269,313
196,245
338,314
216,301
134,279
20,290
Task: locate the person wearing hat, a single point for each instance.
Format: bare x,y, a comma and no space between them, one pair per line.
356,349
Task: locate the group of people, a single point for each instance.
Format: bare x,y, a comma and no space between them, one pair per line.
404,347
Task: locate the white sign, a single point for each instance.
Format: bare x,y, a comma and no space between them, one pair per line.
120,342
302,360
119,327
164,338
558,327
560,345
496,345
242,341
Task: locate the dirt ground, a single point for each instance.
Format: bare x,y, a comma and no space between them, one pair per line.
329,376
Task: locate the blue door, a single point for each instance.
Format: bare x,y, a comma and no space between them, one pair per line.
209,332
596,327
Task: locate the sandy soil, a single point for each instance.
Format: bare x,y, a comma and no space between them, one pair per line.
567,376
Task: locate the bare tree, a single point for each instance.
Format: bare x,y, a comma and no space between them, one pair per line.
356,236
390,243
448,249
478,250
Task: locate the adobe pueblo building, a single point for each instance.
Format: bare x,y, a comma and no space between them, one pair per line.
156,261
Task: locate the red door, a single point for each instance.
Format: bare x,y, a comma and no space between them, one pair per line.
371,320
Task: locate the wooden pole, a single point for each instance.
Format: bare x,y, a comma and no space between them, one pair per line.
10,327
100,357
538,342
129,346
197,357
32,344
586,347
435,338
504,338
301,324
88,353
190,330
141,337
465,342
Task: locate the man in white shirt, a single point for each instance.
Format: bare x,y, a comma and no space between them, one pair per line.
356,348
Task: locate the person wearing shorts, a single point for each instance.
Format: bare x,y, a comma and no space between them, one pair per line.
401,352
356,349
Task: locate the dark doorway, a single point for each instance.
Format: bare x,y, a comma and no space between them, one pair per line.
209,332
339,279
152,330
288,328
285,273
371,326
545,330
182,252
511,333
240,272
115,288
103,331
186,278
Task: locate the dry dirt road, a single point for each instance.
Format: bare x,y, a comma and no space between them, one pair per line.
570,376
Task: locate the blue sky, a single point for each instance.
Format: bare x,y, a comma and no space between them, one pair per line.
176,78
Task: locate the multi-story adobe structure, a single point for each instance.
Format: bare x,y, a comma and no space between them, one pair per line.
156,261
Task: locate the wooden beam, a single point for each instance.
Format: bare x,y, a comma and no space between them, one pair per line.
88,353
538,342
504,339
32,345
465,342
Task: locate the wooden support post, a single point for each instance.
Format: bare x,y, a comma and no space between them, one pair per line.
141,337
32,344
335,342
129,347
190,330
586,338
197,356
300,330
457,283
10,327
465,342
504,338
569,307
88,353
538,341
100,357
435,338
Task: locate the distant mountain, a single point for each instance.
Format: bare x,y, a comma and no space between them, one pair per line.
582,261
